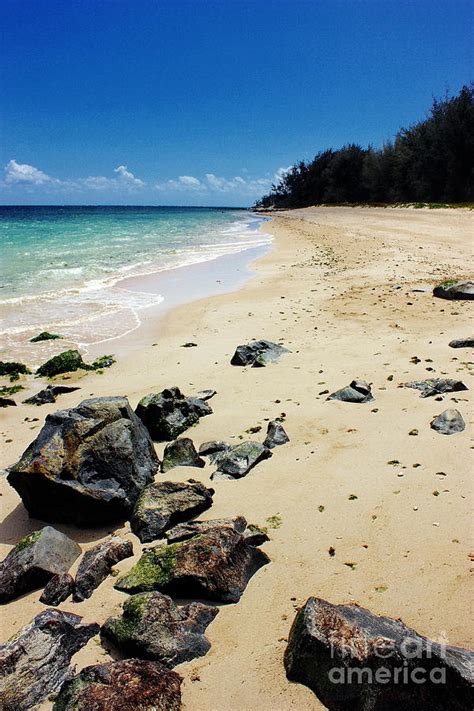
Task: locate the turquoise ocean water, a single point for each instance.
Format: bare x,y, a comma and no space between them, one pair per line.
61,267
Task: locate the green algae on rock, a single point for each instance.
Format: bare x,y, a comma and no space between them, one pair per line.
70,361
45,336
216,565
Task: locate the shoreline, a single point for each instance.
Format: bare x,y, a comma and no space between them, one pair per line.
134,298
337,289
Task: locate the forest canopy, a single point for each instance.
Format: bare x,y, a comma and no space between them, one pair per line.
431,162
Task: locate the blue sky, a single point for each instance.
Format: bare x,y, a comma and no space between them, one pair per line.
202,102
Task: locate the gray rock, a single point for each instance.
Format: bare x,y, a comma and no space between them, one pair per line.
184,531
254,535
436,386
208,448
169,413
88,464
34,561
455,290
7,402
162,505
448,422
181,453
206,394
128,685
355,661
49,394
462,343
97,563
258,354
216,566
236,462
153,627
358,391
57,590
276,435
35,662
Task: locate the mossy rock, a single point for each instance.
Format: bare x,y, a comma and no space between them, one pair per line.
45,336
104,361
65,362
153,570
13,369
6,390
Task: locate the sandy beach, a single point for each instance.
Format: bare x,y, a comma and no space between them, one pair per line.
348,291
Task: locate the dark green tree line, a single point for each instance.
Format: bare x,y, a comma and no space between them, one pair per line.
432,161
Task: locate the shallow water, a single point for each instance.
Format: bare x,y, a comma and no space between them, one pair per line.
65,269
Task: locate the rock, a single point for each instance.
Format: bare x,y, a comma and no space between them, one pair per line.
462,343
258,353
184,531
164,504
7,402
216,566
88,464
255,536
34,561
49,394
58,589
153,627
354,660
181,453
169,413
357,391
129,685
45,336
65,362
455,290
276,435
13,369
190,344
436,386
97,563
35,662
449,422
208,448
236,462
206,394
104,361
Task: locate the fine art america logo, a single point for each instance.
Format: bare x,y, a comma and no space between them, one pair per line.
405,662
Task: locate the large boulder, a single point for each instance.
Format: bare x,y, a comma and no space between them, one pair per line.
57,590
162,505
357,391
455,290
35,662
354,660
436,386
181,453
237,461
448,422
276,435
34,561
128,685
153,627
88,464
97,563
169,413
258,354
216,566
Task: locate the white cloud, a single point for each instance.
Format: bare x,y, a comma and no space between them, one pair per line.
127,177
23,173
281,172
